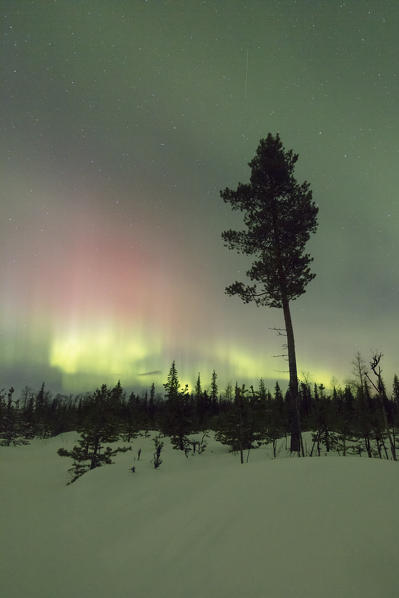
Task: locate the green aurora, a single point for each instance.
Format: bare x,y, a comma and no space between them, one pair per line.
121,122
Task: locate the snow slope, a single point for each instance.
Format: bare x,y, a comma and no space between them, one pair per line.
201,527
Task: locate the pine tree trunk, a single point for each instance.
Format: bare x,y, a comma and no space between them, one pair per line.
296,436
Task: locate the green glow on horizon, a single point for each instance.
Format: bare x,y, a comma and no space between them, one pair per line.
246,364
103,351
131,116
319,376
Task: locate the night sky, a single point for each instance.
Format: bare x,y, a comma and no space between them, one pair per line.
121,121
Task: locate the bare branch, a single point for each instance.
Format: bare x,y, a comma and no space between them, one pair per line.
279,331
375,360
370,380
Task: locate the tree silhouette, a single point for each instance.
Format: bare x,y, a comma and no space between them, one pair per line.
279,215
172,385
238,427
176,422
100,425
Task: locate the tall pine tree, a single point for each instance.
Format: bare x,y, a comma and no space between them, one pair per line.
279,216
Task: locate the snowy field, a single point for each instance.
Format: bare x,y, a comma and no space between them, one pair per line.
202,527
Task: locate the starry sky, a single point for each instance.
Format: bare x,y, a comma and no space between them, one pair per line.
121,121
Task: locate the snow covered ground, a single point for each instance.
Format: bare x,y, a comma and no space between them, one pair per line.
203,527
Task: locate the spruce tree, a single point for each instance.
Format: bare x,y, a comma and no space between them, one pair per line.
100,426
158,446
12,427
275,424
279,216
238,427
172,385
228,393
176,422
278,395
214,389
198,388
151,406
41,425
200,404
344,439
262,389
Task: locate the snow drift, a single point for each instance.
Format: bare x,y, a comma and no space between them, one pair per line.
205,526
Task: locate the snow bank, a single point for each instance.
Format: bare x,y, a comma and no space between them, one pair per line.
201,527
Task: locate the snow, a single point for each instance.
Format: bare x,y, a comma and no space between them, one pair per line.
202,527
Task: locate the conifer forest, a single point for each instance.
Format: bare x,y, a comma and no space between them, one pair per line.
361,419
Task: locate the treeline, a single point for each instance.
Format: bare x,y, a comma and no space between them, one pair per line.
358,419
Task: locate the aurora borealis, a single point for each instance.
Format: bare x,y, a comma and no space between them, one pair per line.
121,121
